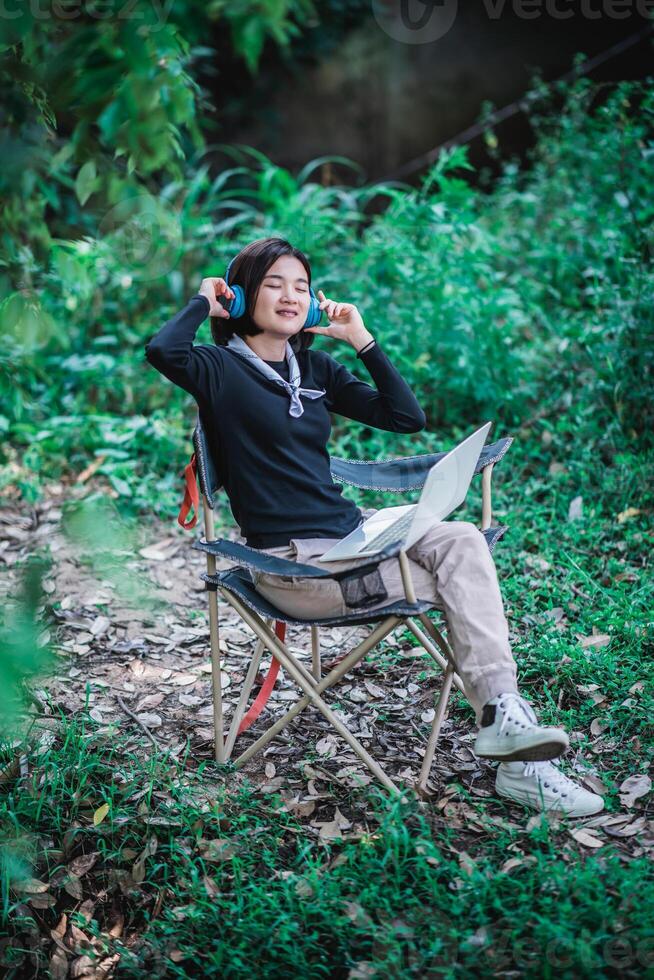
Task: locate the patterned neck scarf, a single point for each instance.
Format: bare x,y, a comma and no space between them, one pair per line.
292,386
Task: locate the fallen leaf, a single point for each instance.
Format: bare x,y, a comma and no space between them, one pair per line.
30,886
633,788
58,965
149,720
100,625
627,830
149,701
73,886
303,888
183,680
210,886
100,814
81,865
576,508
595,784
332,829
596,640
148,671
43,901
162,550
300,809
327,747
586,837
516,862
218,849
273,785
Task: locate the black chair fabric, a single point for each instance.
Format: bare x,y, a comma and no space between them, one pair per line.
398,475
239,581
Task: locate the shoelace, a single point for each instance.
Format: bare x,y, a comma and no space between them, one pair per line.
550,776
516,702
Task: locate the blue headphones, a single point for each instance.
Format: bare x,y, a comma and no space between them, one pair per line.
236,307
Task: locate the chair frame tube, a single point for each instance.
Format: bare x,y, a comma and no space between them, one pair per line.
313,684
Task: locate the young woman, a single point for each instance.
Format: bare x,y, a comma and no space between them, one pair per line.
265,399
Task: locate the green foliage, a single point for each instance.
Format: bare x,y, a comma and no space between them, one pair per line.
25,650
230,873
530,304
101,101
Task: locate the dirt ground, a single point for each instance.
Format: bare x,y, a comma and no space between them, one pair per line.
131,635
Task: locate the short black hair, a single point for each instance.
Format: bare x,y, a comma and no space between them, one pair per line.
248,271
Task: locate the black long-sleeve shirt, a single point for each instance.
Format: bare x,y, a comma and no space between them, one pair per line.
275,467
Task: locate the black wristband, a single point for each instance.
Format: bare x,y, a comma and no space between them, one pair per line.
370,344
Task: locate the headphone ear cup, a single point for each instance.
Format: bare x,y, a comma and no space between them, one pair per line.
235,307
314,313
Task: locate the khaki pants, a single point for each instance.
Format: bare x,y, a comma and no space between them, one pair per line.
451,567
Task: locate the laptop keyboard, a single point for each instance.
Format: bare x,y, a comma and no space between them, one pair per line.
391,533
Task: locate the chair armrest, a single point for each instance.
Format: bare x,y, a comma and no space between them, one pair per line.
405,472
243,554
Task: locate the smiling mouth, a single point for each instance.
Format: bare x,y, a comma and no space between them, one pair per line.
289,314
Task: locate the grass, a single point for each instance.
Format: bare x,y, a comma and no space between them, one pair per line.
530,304
208,879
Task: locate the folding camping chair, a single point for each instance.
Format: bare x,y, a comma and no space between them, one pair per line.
236,587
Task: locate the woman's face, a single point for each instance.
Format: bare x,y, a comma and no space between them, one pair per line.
283,300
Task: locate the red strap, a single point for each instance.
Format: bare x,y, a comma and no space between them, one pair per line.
267,686
192,499
191,495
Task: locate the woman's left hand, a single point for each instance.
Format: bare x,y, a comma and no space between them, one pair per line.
345,321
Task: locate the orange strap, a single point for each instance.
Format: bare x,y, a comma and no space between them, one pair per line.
191,495
267,686
192,499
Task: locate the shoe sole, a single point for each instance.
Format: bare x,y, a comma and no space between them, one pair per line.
530,802
540,752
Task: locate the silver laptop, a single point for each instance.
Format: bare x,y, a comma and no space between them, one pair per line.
444,489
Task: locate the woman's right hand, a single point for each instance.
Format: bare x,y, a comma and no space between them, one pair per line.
212,288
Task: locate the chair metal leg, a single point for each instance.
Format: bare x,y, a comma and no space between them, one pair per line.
348,662
310,689
433,652
439,717
316,667
447,662
245,694
214,634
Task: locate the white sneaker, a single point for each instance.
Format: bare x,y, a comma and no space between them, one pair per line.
510,732
543,786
